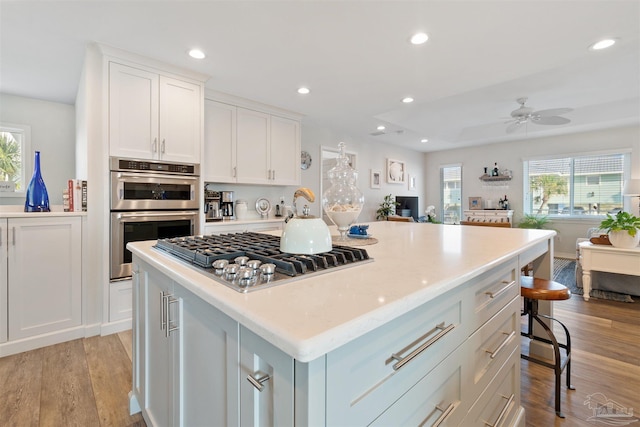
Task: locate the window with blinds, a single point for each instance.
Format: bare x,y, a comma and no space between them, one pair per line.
572,186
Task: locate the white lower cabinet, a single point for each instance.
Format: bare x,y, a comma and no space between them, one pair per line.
440,364
436,400
266,383
185,355
41,283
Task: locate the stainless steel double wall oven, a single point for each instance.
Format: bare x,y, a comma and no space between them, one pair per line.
150,200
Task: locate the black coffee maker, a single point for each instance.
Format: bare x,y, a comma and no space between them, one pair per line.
226,204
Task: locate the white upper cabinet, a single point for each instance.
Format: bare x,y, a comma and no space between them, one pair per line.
153,116
219,163
253,147
250,145
285,150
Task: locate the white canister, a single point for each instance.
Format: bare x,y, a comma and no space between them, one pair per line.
241,209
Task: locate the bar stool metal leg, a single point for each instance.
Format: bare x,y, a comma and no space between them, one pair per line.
531,309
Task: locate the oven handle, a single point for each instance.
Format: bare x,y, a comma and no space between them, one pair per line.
154,214
154,175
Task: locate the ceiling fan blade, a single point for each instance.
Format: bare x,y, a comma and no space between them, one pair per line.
552,112
553,120
514,126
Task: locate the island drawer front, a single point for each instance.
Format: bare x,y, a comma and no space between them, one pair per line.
491,345
437,397
494,289
361,379
500,402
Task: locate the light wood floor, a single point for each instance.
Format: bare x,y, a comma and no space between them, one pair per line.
85,382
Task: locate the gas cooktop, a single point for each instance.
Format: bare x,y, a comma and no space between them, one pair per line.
250,261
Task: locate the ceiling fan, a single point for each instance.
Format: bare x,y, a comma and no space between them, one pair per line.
524,115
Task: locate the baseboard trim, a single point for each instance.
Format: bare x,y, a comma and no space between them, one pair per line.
115,327
42,340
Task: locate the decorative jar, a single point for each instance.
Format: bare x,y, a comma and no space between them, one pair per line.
342,201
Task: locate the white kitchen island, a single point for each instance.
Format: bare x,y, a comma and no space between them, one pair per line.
427,332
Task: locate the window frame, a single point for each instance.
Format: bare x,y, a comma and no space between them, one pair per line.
26,161
442,191
526,199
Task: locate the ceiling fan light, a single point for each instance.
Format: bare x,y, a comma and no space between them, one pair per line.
603,44
381,127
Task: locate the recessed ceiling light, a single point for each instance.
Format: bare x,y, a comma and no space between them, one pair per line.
196,53
303,90
424,140
419,38
381,127
407,100
603,44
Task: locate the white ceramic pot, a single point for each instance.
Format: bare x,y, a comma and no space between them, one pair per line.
622,239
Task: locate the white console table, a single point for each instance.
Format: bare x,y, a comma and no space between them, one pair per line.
609,259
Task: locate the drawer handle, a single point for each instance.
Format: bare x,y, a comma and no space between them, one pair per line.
501,290
404,360
503,412
444,415
501,346
257,382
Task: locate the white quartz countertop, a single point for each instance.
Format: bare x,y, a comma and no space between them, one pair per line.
15,211
413,263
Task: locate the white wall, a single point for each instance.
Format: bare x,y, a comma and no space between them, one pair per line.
52,133
510,155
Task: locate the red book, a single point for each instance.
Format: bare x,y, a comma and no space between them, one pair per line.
71,188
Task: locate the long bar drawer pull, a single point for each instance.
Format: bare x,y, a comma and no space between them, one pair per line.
257,382
493,295
404,360
501,346
171,324
444,415
503,412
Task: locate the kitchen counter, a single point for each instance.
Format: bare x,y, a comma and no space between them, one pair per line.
15,211
413,264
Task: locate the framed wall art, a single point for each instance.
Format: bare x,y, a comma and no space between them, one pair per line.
475,203
396,172
376,176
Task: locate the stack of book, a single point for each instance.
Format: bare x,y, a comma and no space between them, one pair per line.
77,194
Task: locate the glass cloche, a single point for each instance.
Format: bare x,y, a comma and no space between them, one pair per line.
343,201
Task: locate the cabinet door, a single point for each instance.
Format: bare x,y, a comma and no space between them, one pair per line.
219,162
44,279
252,143
3,281
285,151
209,377
180,121
156,364
264,402
133,112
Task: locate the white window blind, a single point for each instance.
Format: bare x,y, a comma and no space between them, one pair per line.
578,185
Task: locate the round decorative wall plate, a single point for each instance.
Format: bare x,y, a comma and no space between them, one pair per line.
305,160
263,206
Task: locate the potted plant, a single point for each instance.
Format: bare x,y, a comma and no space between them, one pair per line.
622,229
533,221
387,207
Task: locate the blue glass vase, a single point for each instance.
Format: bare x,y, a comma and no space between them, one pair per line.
37,196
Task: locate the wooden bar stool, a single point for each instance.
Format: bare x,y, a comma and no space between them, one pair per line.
534,290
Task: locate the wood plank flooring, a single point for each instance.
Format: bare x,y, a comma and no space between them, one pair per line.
86,382
81,383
